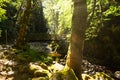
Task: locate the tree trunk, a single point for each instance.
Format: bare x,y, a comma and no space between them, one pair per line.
75,53
22,31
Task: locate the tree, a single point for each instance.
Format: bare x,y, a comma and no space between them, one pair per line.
22,32
74,59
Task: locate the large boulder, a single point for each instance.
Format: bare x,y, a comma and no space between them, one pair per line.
65,74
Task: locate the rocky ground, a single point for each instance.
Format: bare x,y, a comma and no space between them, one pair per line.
11,68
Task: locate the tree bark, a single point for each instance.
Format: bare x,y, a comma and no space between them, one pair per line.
75,52
22,31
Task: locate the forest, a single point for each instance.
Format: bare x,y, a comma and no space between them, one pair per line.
59,39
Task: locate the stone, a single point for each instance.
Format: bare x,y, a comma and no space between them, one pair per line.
117,74
40,47
44,66
10,73
64,74
40,78
56,67
40,73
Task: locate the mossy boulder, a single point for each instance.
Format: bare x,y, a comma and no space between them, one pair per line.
65,74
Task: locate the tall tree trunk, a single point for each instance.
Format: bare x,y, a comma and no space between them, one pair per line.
75,53
22,31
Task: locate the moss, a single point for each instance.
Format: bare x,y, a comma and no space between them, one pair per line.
65,74
103,76
87,77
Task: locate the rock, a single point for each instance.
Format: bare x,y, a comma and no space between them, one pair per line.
56,67
3,73
117,74
10,63
40,73
86,77
102,76
57,76
38,70
10,73
1,54
32,67
10,78
44,66
1,47
40,78
2,77
40,47
65,74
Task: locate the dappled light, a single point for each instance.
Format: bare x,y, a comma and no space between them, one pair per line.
17,65
59,39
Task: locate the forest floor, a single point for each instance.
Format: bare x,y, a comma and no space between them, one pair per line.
12,68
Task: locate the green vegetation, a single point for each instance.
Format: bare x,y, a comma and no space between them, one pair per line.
102,37
30,55
59,16
2,11
51,21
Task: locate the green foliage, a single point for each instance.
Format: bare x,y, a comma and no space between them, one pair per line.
2,14
91,33
26,55
58,14
31,55
103,33
113,10
98,13
2,11
9,20
65,16
94,18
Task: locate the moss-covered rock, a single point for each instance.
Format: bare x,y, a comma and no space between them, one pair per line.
65,74
39,78
40,73
102,76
